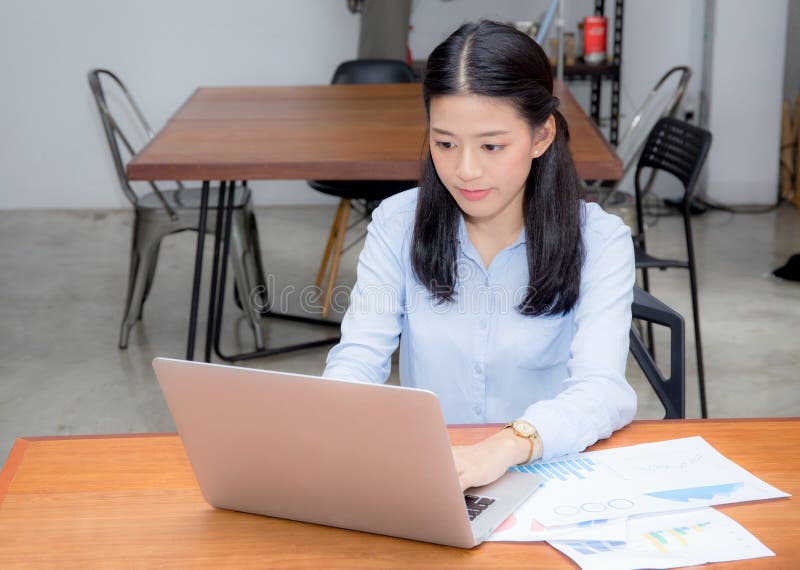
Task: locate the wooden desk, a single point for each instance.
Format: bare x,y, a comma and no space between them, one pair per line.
111,501
323,132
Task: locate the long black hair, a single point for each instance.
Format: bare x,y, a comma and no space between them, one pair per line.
491,59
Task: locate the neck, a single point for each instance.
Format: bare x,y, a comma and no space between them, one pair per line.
498,231
492,235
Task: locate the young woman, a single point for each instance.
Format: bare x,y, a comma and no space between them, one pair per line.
509,296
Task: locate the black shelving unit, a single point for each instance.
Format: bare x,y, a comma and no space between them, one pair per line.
598,73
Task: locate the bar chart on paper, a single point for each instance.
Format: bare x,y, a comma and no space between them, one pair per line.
665,540
668,541
578,468
647,478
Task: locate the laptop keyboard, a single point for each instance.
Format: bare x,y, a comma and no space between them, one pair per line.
476,505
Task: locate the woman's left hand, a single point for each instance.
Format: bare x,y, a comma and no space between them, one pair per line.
486,461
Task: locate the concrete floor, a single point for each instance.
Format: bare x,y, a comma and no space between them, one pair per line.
63,283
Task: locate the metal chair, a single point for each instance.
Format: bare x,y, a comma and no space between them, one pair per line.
368,193
165,212
670,390
680,149
662,101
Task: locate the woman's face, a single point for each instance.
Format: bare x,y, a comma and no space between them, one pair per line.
482,151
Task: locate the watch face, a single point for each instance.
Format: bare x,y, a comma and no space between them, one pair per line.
523,428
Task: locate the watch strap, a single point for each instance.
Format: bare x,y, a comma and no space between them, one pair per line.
534,439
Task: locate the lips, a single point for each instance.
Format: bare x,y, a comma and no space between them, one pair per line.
473,195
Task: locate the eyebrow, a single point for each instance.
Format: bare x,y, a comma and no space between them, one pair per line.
486,134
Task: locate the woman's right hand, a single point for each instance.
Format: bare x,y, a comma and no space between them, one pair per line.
486,461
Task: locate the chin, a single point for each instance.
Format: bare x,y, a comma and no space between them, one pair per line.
477,210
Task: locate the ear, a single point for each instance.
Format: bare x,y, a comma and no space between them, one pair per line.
543,137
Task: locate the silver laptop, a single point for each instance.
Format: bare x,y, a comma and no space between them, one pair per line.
365,457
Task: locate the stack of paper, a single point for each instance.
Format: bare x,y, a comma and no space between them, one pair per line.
640,506
668,541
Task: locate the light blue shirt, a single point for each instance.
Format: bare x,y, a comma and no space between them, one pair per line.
485,361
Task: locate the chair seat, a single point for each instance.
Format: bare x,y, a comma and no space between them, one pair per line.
189,199
646,261
362,189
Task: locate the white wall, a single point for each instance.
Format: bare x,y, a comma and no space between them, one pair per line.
791,69
745,100
657,36
52,150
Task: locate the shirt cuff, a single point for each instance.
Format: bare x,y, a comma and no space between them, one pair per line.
549,422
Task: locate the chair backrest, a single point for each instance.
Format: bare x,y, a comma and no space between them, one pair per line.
373,71
116,137
676,147
670,390
662,101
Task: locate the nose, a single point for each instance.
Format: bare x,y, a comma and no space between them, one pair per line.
468,168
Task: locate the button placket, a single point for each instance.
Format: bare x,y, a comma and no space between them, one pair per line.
479,362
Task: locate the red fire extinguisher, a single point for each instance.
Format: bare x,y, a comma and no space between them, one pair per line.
594,39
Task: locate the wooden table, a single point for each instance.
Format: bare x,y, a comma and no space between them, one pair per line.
324,132
111,501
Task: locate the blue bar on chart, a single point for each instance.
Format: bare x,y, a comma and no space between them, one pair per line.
563,470
598,546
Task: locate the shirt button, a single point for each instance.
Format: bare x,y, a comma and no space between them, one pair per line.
478,369
477,410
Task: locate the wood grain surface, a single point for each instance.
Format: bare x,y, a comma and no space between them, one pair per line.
132,501
324,132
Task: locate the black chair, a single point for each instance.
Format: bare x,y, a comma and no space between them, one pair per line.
367,193
670,390
680,149
165,212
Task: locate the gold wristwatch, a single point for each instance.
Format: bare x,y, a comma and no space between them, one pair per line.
525,429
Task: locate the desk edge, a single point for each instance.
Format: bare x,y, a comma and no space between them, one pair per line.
11,465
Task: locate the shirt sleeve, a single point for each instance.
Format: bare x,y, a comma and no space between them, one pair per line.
372,324
595,399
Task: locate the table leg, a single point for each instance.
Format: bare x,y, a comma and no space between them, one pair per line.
198,270
212,299
223,238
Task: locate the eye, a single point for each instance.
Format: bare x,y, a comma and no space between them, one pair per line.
444,144
493,147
